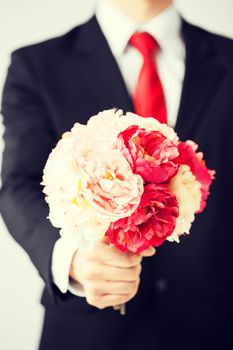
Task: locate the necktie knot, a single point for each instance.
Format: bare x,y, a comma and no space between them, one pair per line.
144,43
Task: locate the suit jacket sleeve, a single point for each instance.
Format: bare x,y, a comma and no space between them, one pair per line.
29,137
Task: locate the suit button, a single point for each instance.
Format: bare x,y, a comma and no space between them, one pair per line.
161,285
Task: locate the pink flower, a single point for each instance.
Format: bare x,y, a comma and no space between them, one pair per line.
88,185
189,156
151,223
149,153
109,185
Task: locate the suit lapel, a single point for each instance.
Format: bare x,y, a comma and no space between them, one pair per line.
99,69
203,77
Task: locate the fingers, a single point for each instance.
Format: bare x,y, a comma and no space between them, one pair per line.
148,252
109,277
115,288
98,272
107,300
102,293
110,255
114,257
123,293
110,273
101,272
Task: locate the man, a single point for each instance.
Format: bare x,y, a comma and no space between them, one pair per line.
181,297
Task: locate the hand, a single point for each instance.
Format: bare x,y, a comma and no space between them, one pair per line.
109,277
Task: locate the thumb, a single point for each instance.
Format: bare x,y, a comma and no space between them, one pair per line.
148,252
105,240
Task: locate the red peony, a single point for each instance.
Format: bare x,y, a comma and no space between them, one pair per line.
150,224
150,154
189,156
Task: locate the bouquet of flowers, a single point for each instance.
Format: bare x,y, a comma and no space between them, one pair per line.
125,177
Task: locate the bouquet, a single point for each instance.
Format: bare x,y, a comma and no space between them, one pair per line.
125,177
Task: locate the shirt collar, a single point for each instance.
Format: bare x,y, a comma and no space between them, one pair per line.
118,27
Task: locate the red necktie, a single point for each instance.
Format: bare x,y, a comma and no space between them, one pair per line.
148,97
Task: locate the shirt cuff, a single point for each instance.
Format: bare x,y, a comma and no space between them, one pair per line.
63,253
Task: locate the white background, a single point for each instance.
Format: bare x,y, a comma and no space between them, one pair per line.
27,21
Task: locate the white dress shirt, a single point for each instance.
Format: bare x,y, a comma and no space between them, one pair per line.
117,28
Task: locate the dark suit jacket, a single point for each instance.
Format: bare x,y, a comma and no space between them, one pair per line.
185,300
